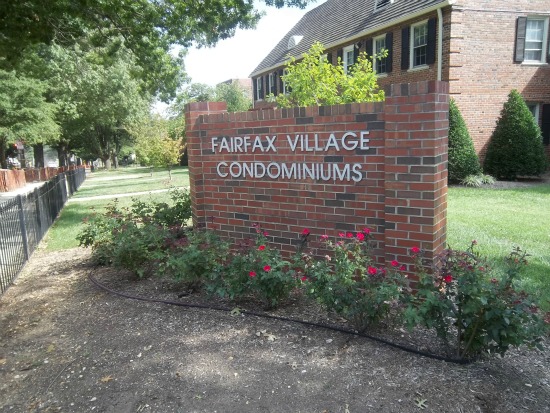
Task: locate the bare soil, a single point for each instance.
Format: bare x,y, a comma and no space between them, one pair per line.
68,346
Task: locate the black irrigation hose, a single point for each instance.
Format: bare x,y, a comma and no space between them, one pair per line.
281,318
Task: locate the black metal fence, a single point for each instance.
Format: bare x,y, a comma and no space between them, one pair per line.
26,218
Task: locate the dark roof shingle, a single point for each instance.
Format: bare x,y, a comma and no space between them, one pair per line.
334,21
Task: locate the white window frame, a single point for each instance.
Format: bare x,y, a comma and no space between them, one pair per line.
285,72
544,50
258,87
534,107
375,60
345,52
270,83
412,47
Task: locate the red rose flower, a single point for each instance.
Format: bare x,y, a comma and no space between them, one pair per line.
304,278
372,270
394,263
448,278
324,237
305,232
403,268
261,248
267,268
252,274
415,250
361,236
366,231
349,235
341,234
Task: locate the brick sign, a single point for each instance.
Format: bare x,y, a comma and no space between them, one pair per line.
330,169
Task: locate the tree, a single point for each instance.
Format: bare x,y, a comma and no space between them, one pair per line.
313,81
24,112
154,145
515,148
463,160
148,28
234,95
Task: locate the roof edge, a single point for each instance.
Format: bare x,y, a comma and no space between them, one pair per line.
372,30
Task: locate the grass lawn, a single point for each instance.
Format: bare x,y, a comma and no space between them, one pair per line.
63,233
500,219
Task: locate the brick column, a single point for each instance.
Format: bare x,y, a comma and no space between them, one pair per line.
193,121
417,123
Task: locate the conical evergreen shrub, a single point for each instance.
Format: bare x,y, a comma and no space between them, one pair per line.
515,148
463,160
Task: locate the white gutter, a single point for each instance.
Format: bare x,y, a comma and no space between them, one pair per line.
364,33
439,44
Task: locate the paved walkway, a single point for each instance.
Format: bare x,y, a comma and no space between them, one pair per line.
6,196
91,198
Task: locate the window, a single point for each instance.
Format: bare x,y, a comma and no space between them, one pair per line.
271,82
531,39
349,58
534,37
259,88
419,45
534,108
380,4
380,65
284,88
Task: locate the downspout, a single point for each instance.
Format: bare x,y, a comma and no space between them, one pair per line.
439,44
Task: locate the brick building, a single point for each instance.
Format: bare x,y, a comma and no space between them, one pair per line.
484,49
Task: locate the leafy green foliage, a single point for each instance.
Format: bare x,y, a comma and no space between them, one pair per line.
24,112
477,181
137,238
147,28
349,283
154,145
234,95
313,81
465,302
194,257
515,148
463,160
254,270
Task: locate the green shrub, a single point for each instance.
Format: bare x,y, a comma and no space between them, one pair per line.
254,270
477,181
515,148
137,238
471,308
349,283
463,160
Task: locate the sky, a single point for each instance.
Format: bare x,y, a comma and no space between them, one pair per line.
237,57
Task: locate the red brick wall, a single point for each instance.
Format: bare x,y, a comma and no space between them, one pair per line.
401,195
483,71
478,61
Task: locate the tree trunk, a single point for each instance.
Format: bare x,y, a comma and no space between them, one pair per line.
3,163
107,162
38,150
62,155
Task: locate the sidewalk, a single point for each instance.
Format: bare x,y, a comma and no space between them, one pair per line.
29,187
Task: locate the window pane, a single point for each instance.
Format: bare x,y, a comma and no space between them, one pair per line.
349,60
420,45
534,30
534,40
379,64
420,35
